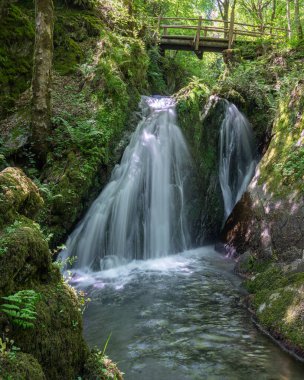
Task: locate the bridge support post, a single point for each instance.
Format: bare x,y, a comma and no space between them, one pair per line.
198,34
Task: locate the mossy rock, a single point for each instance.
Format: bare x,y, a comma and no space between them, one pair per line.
56,340
73,28
18,195
24,255
16,54
20,366
282,167
277,298
200,120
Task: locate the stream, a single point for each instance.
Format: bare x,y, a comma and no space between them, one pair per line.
178,318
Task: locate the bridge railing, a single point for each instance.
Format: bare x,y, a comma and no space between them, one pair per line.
226,30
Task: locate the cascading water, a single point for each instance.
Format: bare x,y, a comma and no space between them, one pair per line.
141,213
238,156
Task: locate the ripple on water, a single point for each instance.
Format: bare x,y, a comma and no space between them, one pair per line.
179,318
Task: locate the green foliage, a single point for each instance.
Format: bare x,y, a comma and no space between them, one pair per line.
101,367
195,91
253,81
156,75
86,4
20,308
7,348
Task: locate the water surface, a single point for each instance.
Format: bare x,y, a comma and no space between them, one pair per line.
180,318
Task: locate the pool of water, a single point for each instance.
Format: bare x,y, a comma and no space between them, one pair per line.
180,318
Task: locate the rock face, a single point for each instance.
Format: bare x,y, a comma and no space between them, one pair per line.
266,226
201,128
269,218
212,213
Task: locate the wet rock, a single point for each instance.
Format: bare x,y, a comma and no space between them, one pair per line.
220,248
201,125
297,266
243,264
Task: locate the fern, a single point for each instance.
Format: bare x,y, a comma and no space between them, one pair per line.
21,308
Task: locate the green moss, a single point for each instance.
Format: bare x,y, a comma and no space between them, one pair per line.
58,330
277,298
25,255
16,51
282,168
18,195
71,29
20,366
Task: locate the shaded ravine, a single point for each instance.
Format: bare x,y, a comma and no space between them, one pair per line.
171,316
180,318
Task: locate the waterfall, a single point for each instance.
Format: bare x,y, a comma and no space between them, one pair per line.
141,213
238,157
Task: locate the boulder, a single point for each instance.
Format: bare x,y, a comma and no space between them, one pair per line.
18,195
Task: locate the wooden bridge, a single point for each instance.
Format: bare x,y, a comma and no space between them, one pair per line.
206,35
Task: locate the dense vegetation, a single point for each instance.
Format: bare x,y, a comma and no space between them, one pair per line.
104,57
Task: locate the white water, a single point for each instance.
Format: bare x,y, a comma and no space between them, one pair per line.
141,213
237,156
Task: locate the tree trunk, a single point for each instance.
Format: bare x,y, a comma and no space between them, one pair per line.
41,81
231,28
298,21
226,17
273,14
288,18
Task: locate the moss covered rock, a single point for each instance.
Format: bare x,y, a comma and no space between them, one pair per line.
56,340
20,366
18,195
277,302
25,255
201,124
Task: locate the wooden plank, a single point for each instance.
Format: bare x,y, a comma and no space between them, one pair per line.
221,30
221,21
174,37
158,23
202,43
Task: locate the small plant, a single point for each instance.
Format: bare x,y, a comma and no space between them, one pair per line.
83,300
3,248
106,345
7,348
20,307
